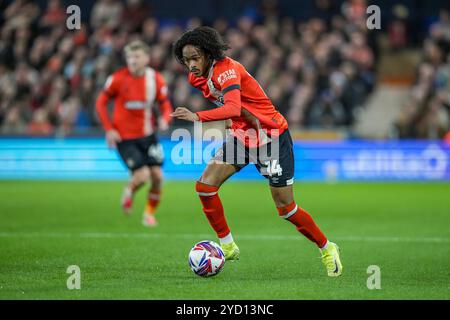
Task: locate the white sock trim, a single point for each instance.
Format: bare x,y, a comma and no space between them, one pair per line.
290,213
127,192
154,196
206,194
325,246
227,239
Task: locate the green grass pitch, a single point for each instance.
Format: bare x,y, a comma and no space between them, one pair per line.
47,226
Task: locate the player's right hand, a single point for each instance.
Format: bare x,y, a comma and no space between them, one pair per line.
112,138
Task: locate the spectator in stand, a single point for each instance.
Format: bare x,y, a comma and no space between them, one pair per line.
426,113
106,13
54,15
40,125
318,71
133,15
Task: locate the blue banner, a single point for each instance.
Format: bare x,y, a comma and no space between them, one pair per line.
89,158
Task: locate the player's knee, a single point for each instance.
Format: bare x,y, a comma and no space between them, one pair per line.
208,178
142,175
205,190
282,196
156,184
216,174
156,177
281,200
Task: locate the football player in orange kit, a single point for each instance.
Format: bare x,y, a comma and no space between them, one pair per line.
135,90
259,135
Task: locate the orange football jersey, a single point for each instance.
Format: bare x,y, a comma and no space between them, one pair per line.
241,99
134,99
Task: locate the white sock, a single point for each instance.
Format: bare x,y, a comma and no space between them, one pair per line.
128,192
227,239
325,246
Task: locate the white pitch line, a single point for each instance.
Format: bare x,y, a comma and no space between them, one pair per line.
101,235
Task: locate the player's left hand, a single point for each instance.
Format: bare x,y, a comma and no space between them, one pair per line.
163,125
185,114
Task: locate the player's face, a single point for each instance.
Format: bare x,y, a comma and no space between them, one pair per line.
195,60
137,60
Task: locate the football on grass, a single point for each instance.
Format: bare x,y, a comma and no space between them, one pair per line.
206,258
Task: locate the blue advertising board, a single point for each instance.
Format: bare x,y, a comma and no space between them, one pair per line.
89,158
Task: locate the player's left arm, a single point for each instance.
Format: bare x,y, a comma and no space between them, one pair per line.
165,106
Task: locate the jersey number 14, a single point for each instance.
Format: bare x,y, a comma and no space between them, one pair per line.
273,168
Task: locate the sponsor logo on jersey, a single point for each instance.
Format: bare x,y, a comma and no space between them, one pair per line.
137,105
227,75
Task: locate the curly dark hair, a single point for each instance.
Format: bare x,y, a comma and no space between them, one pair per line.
205,38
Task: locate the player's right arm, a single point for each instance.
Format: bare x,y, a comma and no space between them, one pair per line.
230,109
229,80
101,106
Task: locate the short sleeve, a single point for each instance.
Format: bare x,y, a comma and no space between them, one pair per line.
111,85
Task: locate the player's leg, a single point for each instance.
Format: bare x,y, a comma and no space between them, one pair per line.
140,174
280,172
138,178
207,187
301,219
289,210
153,155
304,223
154,195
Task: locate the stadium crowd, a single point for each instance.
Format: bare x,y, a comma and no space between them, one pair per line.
426,113
317,71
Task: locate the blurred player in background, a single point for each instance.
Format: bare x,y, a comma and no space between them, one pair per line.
240,98
133,129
